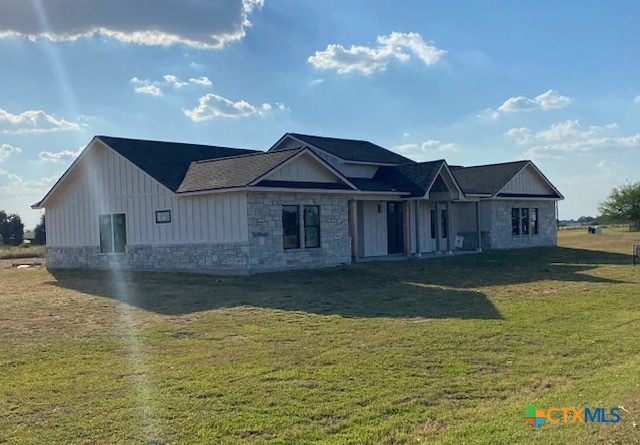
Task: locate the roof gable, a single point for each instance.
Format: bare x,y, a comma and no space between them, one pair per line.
486,179
350,150
415,178
254,170
509,179
167,162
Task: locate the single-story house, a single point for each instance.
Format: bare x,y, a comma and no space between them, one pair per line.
306,202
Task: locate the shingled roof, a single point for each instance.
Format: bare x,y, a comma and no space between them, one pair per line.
167,162
415,178
486,179
353,150
236,171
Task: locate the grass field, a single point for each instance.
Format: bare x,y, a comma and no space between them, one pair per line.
11,252
445,351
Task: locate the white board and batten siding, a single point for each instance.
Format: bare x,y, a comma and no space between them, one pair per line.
303,168
527,181
372,228
106,183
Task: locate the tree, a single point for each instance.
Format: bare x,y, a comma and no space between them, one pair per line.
623,205
40,232
11,229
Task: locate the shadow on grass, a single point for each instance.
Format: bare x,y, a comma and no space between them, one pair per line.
440,288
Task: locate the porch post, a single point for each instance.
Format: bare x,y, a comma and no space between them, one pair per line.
478,231
353,227
406,230
438,228
449,234
418,230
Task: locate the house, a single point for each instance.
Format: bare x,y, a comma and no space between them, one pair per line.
306,202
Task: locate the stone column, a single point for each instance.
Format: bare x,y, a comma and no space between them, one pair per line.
478,229
418,230
447,207
438,229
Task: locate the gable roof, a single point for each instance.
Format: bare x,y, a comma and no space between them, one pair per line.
415,178
486,179
167,162
236,171
350,149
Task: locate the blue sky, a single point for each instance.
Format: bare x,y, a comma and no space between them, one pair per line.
472,82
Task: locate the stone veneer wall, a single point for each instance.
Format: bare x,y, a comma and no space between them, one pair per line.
263,252
265,232
501,236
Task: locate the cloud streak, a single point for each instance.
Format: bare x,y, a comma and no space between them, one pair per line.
546,101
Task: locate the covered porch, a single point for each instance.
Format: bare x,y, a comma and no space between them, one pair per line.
440,221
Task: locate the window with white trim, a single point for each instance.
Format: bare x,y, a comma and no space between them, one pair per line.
113,233
524,221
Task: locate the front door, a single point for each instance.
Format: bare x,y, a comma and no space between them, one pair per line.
394,227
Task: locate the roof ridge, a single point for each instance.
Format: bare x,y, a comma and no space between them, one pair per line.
494,164
334,138
99,136
202,161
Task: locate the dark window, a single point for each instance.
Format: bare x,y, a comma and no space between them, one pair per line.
106,234
113,233
290,227
444,224
534,221
119,232
163,216
525,221
432,216
311,226
515,221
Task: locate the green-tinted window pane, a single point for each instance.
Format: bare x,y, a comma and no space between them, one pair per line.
119,232
312,237
311,216
525,221
290,227
515,221
106,234
534,221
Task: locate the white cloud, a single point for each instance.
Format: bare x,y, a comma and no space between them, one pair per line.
368,60
201,24
437,146
637,99
317,81
7,150
545,101
424,151
33,121
150,90
202,81
10,179
154,88
521,135
570,137
548,100
212,106
64,155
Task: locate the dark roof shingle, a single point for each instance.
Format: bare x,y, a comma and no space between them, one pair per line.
414,178
167,162
353,150
486,179
236,171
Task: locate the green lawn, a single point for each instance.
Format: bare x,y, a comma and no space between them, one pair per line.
446,350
